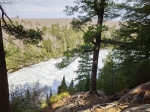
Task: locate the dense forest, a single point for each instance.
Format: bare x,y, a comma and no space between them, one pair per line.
123,81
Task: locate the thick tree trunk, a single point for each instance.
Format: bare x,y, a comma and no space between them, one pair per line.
4,92
93,89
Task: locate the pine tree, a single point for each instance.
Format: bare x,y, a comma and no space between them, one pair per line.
63,87
29,35
134,63
109,80
86,84
71,88
89,10
84,72
85,65
4,90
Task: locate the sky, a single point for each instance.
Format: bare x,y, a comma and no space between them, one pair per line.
38,8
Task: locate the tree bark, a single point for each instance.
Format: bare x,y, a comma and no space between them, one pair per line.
4,91
100,12
93,89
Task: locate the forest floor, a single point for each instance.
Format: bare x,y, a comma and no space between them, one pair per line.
135,100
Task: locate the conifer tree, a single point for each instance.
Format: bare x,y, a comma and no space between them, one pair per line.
71,88
85,65
109,80
134,63
63,87
98,10
19,32
87,84
84,72
4,92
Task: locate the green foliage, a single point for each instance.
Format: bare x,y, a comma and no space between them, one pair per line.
12,53
65,38
71,55
134,73
47,44
63,87
85,65
54,98
135,52
83,84
17,56
142,71
71,88
25,100
26,35
84,72
86,86
34,36
57,97
90,34
44,29
20,54
109,80
87,11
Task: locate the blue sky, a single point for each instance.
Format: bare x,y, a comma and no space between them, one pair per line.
38,8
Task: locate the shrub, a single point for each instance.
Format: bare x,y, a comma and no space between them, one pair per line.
47,44
57,97
24,99
53,99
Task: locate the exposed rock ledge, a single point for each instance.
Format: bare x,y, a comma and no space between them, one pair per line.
136,100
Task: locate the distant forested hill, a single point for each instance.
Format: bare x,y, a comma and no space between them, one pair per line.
51,21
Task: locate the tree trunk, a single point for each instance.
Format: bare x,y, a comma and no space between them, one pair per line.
93,88
4,91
